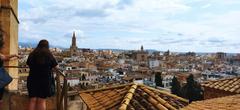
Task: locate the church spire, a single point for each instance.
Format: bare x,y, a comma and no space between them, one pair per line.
142,48
74,40
74,48
74,34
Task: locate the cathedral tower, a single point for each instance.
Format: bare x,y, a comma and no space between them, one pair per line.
74,48
142,48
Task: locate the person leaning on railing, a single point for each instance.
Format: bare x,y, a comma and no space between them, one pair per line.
2,59
41,62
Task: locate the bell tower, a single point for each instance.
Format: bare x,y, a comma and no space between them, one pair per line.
74,40
74,48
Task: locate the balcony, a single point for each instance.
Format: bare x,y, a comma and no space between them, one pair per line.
58,102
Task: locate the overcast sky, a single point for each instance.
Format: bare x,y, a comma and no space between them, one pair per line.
177,25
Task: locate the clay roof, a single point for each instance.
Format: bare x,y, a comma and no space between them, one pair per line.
230,85
223,103
131,97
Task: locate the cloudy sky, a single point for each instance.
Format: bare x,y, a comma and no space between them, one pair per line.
177,25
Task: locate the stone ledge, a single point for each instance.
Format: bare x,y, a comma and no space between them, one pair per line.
15,101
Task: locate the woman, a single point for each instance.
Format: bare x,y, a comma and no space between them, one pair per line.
2,59
41,62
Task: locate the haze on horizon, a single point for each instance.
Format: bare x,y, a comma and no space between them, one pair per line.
177,25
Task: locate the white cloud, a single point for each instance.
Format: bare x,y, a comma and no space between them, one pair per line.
133,22
207,5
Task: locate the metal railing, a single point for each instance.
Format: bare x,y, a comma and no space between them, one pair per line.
61,87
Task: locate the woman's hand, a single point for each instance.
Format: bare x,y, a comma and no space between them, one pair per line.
16,56
8,57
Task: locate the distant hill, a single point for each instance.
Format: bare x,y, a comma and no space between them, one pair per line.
121,50
25,44
114,50
33,45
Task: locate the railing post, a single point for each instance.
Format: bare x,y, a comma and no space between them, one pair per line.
58,92
65,94
62,92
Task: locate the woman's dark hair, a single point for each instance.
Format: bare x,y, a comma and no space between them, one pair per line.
1,38
43,44
41,52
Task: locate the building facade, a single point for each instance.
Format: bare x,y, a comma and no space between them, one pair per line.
142,55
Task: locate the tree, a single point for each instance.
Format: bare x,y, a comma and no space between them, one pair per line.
199,92
192,90
176,87
158,79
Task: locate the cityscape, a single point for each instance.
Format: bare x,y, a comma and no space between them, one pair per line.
127,55
87,68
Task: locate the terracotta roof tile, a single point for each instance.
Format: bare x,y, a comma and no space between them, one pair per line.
132,97
104,98
223,103
231,84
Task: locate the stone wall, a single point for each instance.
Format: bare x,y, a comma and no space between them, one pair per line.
15,101
9,23
20,102
77,105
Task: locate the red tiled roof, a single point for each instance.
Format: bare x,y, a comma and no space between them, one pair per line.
230,85
107,98
223,103
131,97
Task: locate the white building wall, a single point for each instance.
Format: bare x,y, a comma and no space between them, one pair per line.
154,63
167,80
73,82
